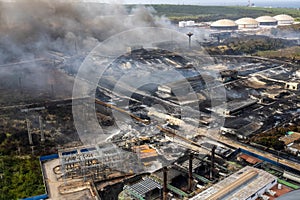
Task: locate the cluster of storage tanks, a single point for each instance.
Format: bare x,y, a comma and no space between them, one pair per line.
247,22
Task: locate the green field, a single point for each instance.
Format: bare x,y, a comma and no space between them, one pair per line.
211,13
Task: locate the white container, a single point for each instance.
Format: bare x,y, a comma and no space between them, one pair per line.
279,186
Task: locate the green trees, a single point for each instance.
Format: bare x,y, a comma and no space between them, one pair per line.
21,177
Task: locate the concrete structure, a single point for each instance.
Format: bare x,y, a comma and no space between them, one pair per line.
247,23
292,86
267,21
248,183
284,19
224,24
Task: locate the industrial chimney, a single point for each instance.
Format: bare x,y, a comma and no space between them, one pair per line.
165,185
212,162
190,182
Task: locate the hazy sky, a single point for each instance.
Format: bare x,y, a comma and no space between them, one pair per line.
275,3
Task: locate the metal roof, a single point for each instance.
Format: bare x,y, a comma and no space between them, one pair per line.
144,186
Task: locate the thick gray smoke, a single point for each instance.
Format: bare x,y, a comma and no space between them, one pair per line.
35,26
39,37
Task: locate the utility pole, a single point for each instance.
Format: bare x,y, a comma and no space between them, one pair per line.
29,132
41,129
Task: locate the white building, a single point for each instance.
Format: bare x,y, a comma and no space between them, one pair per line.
248,183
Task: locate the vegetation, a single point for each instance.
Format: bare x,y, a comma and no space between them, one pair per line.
212,13
20,177
290,53
248,45
270,139
19,163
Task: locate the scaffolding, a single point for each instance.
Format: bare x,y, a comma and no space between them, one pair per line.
96,162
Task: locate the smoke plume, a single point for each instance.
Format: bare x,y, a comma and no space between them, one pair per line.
35,26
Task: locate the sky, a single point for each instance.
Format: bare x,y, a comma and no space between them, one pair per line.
260,3
273,3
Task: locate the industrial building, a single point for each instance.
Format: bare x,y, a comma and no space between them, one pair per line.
267,21
248,183
91,162
284,19
233,106
247,23
224,24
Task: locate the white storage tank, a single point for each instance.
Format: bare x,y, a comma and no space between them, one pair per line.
224,24
267,21
247,23
284,19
